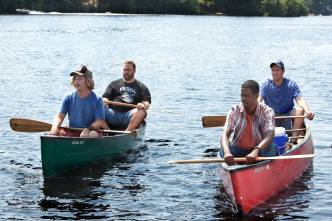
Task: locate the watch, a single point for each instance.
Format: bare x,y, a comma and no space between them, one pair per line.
258,148
91,127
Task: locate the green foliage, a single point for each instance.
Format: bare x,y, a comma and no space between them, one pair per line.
229,7
243,7
8,6
296,8
318,7
274,8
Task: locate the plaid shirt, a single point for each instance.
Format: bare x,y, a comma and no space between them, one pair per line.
262,121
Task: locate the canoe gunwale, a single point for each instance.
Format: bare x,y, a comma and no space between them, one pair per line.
52,137
47,136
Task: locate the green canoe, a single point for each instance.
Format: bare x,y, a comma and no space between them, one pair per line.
61,154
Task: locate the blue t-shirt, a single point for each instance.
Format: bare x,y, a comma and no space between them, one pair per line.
280,98
82,112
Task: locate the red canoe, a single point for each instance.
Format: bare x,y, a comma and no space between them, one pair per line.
251,185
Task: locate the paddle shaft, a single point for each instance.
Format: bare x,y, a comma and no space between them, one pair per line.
123,104
219,121
135,106
290,117
220,160
296,137
302,129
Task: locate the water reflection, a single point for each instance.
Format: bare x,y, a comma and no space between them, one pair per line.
82,192
77,184
293,199
224,204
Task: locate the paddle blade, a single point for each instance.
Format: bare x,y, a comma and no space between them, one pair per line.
214,121
26,125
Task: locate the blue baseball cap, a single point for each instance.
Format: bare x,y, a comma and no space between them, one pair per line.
278,63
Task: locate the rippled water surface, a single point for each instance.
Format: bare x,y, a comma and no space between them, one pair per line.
191,64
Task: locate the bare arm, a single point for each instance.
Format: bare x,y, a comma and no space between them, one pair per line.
57,123
95,125
303,104
99,123
224,141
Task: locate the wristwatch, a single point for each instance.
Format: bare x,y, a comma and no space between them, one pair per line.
91,127
258,148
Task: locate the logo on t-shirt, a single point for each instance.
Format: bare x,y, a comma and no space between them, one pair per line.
128,94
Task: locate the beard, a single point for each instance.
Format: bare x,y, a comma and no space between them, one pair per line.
128,77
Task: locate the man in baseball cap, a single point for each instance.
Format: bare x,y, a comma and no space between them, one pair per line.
83,71
279,93
278,63
84,107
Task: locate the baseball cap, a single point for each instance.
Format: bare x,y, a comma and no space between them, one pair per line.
83,71
278,63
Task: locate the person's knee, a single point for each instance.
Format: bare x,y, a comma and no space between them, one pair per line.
144,114
140,114
93,134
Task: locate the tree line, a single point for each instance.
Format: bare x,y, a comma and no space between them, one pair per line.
280,8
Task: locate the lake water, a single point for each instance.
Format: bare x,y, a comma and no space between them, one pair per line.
191,64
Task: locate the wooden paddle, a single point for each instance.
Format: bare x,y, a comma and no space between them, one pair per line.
243,159
135,106
219,121
27,125
301,129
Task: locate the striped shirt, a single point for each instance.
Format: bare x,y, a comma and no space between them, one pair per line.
262,121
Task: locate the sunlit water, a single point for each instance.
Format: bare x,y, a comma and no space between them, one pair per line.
191,64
